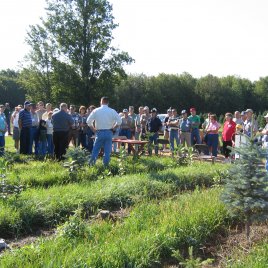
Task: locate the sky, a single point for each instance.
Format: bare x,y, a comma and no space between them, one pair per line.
218,37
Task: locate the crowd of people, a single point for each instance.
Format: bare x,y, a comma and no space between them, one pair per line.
41,130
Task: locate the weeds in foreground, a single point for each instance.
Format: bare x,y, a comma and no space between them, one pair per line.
7,189
149,233
183,156
76,160
75,228
190,262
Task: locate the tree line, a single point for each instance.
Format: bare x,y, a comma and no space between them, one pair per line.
181,91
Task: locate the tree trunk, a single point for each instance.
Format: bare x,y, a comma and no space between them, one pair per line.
247,227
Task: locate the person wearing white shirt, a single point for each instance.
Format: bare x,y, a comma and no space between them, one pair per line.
105,121
49,135
16,129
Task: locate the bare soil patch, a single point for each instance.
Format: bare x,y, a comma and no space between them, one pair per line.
226,248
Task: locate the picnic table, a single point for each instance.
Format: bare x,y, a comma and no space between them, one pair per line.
132,143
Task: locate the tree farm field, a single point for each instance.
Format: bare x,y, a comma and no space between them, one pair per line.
140,212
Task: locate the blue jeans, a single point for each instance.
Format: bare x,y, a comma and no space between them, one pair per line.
153,139
50,146
213,141
25,134
127,133
33,140
2,145
173,135
103,139
82,139
42,148
195,136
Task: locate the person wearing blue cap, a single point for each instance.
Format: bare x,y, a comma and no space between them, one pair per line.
25,124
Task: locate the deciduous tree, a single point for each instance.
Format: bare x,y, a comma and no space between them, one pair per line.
75,37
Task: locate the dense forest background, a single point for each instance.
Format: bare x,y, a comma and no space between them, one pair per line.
209,93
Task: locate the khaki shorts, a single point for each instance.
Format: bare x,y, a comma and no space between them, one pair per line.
16,134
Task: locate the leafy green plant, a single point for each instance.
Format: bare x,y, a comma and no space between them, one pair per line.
220,176
77,158
75,227
191,262
183,155
122,160
7,189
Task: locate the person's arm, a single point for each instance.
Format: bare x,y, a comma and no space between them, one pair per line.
4,129
117,120
159,124
91,122
13,117
265,131
71,121
20,121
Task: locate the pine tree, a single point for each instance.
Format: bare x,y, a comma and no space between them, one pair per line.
246,189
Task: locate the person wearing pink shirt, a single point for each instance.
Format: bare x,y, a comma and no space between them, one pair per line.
228,133
212,131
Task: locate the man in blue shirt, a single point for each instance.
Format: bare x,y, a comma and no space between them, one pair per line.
25,124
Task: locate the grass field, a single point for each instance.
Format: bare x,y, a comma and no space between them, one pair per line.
160,209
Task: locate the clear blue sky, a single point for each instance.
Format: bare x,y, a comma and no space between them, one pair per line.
220,37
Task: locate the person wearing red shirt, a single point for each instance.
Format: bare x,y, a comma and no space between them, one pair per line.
228,133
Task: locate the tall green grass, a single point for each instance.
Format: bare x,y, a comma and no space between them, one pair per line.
47,207
41,207
148,236
46,174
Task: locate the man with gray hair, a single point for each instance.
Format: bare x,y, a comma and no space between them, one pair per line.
62,123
